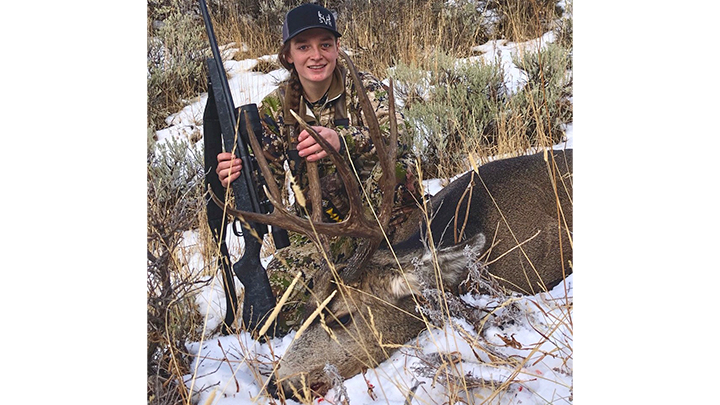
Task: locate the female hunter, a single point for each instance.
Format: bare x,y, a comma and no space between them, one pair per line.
320,90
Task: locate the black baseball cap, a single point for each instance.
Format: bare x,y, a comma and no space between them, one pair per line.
307,16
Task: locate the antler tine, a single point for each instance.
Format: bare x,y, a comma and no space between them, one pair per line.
315,194
387,157
387,161
274,196
393,120
388,186
262,162
387,154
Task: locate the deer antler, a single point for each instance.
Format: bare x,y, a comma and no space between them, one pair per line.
387,158
355,224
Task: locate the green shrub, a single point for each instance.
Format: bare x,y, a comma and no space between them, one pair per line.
544,106
175,61
460,110
564,28
174,187
468,107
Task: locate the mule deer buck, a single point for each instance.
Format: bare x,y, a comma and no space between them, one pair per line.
516,213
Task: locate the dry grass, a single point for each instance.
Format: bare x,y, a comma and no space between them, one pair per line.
502,364
381,34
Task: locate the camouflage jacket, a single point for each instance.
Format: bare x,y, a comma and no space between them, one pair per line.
339,110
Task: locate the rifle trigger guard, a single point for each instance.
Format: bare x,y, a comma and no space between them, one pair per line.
235,229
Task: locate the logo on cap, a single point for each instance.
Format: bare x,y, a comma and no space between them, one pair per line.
324,20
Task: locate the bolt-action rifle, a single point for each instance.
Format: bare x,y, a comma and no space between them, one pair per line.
221,117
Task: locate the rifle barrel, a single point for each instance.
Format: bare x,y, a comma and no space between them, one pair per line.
216,55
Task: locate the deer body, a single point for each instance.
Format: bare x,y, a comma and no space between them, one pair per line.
512,203
513,215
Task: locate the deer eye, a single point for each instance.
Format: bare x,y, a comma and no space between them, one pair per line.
340,320
344,319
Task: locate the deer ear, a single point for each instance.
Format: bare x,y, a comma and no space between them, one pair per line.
458,255
454,260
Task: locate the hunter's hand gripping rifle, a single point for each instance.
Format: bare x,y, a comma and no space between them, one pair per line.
221,117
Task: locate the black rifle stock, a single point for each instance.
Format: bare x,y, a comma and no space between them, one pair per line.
221,117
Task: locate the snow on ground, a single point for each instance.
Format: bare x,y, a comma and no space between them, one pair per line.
251,87
501,51
246,87
226,367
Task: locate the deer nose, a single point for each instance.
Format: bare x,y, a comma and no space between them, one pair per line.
272,388
278,390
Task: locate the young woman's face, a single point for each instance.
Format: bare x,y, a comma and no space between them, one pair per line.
314,53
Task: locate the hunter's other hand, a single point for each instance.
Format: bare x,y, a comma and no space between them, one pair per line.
228,168
311,150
